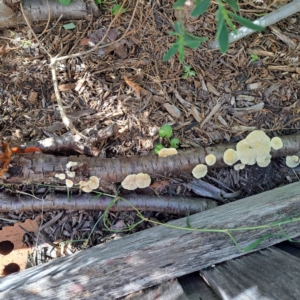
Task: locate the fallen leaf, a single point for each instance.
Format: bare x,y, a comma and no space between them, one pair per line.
66,87
134,86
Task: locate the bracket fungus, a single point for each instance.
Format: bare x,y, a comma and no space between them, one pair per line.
71,164
210,159
164,152
292,161
134,181
276,143
230,157
199,171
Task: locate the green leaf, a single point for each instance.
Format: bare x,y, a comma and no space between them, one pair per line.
200,8
223,38
178,27
181,53
245,22
65,2
69,26
175,142
230,24
117,9
178,4
165,131
233,4
172,33
172,51
157,148
193,41
188,224
258,241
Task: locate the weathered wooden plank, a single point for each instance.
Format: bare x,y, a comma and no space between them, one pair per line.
170,290
267,274
196,288
153,256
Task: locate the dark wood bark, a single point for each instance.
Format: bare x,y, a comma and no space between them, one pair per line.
267,274
37,10
175,205
39,168
150,257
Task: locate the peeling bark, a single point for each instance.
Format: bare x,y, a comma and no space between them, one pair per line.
41,168
37,10
175,205
74,142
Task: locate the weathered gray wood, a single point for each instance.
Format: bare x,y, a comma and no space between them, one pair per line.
153,256
195,288
170,290
267,274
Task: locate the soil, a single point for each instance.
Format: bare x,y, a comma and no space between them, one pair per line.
128,84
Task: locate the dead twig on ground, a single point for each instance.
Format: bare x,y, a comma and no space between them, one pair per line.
175,205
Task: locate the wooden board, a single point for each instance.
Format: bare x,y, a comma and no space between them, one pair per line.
170,290
195,288
267,274
156,255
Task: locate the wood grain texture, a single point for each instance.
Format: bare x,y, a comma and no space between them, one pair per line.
267,274
150,257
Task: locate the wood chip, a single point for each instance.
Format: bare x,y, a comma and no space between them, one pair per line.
32,97
243,128
196,114
254,86
245,98
213,111
172,110
283,37
212,89
181,100
247,110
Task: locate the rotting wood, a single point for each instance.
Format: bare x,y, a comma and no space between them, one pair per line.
150,257
38,10
41,168
267,274
175,205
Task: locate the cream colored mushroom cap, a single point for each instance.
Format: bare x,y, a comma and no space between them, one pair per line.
143,180
230,157
199,171
61,176
239,167
164,152
276,143
129,183
264,163
93,182
292,161
210,159
69,183
87,189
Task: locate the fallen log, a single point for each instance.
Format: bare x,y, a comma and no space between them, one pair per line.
39,10
42,168
153,256
175,205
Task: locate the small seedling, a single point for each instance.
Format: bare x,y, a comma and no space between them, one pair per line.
117,9
65,2
165,131
174,143
254,57
188,72
157,148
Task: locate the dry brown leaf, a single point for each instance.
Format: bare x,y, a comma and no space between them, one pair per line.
32,97
66,87
5,49
134,86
